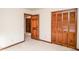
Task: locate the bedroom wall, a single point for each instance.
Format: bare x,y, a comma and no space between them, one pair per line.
78,29
11,26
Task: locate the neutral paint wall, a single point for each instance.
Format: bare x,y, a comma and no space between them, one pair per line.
45,23
11,26
78,29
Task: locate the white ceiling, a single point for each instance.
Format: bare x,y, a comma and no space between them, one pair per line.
34,8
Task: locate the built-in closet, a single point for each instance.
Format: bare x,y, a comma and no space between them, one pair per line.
64,28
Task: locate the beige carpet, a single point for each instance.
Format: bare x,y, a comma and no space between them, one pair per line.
34,45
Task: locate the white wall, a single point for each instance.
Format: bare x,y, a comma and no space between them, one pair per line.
11,26
78,29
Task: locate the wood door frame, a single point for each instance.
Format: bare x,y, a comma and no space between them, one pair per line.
75,24
38,24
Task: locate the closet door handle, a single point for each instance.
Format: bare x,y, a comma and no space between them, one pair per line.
34,28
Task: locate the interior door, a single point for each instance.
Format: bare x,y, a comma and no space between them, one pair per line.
35,27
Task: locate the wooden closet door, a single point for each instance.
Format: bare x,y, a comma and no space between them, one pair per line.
54,28
59,27
65,29
35,27
72,30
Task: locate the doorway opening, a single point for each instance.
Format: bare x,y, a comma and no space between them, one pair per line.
27,21
31,26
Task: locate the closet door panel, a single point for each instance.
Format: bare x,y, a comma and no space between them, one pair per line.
60,38
72,25
54,30
72,30
54,25
71,40
55,37
59,28
65,39
65,29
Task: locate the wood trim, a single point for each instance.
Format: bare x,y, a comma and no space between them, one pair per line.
76,26
44,41
65,10
12,45
77,49
76,22
27,14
